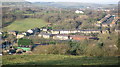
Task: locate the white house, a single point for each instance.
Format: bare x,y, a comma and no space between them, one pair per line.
44,29
65,31
30,31
0,33
77,11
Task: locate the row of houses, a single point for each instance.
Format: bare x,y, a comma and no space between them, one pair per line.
74,31
27,33
65,36
105,18
46,33
110,20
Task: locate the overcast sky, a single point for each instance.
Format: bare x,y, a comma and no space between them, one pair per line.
88,1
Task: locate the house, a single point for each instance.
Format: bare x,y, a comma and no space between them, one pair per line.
105,25
20,35
61,37
44,29
45,35
40,35
0,33
114,22
89,31
73,31
78,11
31,31
13,32
78,37
36,31
107,10
65,31
55,31
26,33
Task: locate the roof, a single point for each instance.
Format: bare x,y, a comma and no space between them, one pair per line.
20,34
40,44
62,35
79,36
46,34
56,30
64,30
24,48
12,31
89,30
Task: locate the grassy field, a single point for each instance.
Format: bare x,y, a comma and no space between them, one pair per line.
23,25
57,60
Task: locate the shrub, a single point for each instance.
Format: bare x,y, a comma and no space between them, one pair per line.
51,49
25,42
93,51
100,44
62,48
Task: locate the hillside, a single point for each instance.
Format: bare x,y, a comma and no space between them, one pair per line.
23,25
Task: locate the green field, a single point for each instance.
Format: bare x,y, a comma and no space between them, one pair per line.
23,25
57,60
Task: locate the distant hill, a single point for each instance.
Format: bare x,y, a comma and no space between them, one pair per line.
16,4
59,4
74,4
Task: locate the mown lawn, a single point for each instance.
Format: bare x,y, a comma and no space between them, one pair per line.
23,25
57,60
